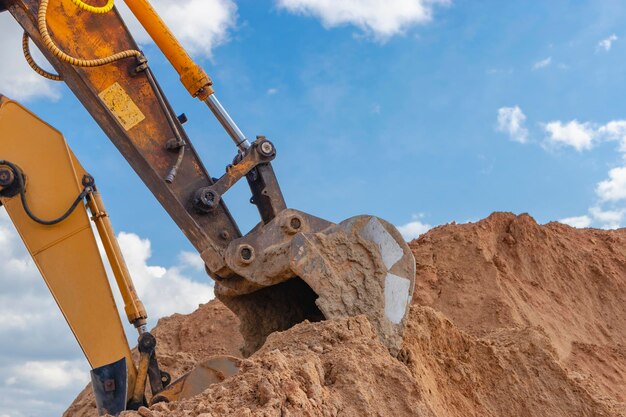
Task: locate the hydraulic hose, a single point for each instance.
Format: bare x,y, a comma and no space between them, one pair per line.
19,177
33,64
94,9
78,62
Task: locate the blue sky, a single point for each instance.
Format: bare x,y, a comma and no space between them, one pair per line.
420,112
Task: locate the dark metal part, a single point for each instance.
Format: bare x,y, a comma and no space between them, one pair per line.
109,387
182,118
174,144
241,166
6,177
158,379
142,65
206,200
9,184
266,193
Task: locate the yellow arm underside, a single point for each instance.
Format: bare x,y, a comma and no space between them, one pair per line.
66,254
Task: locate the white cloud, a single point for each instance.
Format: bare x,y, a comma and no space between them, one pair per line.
544,63
164,291
191,259
614,188
49,375
272,91
17,80
607,43
200,25
413,229
615,130
580,221
578,135
609,219
381,18
511,121
42,367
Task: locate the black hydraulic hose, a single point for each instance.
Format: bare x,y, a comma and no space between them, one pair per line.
22,190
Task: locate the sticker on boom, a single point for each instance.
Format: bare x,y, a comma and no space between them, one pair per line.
122,106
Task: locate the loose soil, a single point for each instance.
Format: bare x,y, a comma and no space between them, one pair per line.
509,318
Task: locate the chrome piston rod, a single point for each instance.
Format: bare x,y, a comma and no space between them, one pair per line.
227,122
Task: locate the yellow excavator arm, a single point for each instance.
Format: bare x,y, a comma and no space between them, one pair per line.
40,178
50,199
291,267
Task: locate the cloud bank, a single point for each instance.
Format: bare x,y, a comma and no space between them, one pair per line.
380,18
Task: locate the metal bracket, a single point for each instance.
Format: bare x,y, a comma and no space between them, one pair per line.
109,387
262,151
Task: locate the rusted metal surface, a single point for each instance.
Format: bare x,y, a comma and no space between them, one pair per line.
360,266
269,263
236,171
141,142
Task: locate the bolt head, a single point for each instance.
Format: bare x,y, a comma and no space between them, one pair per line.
6,177
246,254
293,224
206,200
267,148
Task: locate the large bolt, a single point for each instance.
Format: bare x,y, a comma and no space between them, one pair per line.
206,200
6,177
293,224
267,148
246,253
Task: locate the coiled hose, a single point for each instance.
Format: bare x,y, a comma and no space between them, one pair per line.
78,62
95,9
33,64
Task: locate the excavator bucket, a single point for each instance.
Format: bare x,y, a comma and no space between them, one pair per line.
319,270
360,266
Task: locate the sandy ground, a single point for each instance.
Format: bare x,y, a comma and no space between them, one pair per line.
509,318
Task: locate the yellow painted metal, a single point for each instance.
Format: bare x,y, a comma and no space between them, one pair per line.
66,254
122,106
193,77
134,308
142,376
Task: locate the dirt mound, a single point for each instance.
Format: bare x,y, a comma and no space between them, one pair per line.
509,318
509,272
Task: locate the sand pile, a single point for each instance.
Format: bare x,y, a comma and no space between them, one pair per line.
509,318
